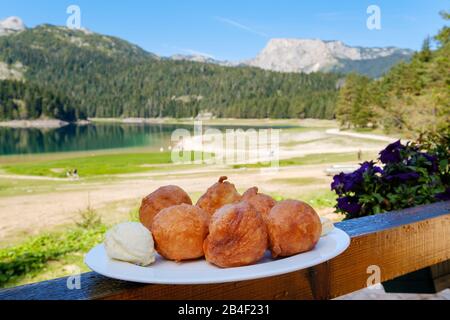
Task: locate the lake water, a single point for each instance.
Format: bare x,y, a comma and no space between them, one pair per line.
88,137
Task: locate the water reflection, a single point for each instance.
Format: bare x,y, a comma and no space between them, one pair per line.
14,141
89,137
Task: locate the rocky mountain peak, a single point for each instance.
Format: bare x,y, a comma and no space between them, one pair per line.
313,55
11,25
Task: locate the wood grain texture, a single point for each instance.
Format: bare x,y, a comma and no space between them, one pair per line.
397,242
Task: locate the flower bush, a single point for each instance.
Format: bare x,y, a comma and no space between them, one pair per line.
406,177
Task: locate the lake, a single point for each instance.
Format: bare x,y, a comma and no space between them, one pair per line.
98,136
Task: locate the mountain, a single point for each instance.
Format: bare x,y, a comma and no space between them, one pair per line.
11,25
304,55
103,76
194,58
205,59
308,56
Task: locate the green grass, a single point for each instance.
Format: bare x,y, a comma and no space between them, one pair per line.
312,159
14,187
317,199
29,259
320,199
67,265
97,165
32,256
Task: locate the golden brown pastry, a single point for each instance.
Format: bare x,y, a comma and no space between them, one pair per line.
218,195
293,227
179,232
262,202
162,198
237,236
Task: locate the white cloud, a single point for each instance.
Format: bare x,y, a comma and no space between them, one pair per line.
241,26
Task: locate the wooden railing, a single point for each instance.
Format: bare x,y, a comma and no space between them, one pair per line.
397,242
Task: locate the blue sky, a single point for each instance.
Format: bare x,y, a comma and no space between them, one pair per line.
239,29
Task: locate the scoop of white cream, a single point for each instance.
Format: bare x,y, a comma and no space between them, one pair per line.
130,242
327,226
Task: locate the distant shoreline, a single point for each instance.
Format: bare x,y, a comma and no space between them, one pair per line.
39,123
222,121
55,123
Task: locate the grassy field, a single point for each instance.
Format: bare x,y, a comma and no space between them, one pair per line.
313,159
126,163
103,168
33,259
14,187
93,166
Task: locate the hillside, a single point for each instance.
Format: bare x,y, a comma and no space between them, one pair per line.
104,76
412,98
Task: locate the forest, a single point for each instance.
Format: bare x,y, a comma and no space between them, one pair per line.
104,76
412,98
20,101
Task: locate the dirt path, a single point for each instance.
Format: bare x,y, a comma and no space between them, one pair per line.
36,178
337,132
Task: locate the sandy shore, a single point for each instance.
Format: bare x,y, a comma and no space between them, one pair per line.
41,124
377,137
310,123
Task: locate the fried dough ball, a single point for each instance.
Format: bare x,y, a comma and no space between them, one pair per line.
237,236
262,202
293,227
160,199
218,195
179,232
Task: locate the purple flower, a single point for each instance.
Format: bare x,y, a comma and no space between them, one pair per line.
338,183
357,178
369,167
444,196
350,182
346,182
392,153
349,205
403,177
377,170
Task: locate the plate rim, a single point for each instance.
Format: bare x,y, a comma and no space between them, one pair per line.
245,276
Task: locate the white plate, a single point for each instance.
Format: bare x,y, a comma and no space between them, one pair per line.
201,272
